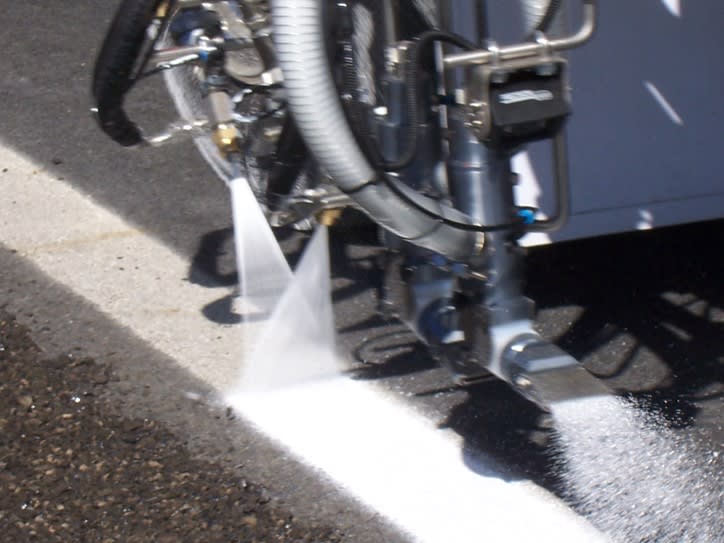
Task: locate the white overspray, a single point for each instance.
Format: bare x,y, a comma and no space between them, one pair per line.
297,342
264,273
288,322
633,477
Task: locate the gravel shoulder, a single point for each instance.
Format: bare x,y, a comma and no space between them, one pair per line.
76,469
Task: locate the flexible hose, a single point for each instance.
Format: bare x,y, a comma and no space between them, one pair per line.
539,15
312,97
299,39
113,72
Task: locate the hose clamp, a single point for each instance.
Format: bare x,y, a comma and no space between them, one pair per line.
545,49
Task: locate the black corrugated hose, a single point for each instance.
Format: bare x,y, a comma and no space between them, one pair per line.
113,73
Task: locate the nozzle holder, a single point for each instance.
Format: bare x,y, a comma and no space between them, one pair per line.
545,374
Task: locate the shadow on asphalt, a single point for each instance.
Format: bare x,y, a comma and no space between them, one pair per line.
649,321
652,320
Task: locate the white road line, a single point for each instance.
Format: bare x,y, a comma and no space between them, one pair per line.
401,465
125,273
387,456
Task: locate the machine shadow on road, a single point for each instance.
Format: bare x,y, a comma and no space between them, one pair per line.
642,311
651,320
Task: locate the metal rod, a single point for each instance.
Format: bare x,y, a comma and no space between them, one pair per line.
391,16
563,196
530,49
176,54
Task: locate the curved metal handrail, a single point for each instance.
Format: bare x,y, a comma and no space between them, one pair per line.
529,49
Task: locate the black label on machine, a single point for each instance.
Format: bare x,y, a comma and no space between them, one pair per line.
526,105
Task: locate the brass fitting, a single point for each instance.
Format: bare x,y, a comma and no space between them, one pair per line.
480,243
162,9
226,139
328,217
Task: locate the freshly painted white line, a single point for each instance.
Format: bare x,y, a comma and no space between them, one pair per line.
664,103
401,465
390,458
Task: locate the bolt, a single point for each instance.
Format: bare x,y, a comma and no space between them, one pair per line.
477,275
225,137
329,217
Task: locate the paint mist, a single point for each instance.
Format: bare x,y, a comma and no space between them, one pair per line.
288,321
633,477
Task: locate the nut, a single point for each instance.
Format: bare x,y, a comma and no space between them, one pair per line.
225,137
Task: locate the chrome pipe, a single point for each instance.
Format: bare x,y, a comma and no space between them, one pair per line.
530,49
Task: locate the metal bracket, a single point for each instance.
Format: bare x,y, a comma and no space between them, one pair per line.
478,91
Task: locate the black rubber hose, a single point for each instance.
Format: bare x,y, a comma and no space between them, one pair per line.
113,72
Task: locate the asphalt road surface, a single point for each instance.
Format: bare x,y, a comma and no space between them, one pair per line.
643,311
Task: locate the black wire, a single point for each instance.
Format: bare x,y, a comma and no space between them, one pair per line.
414,80
150,47
449,222
389,183
413,77
413,88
